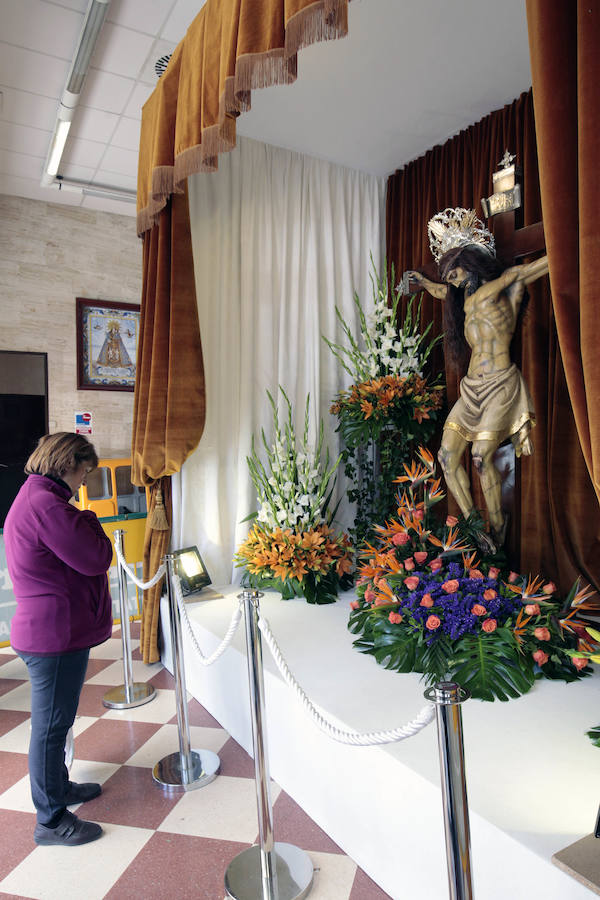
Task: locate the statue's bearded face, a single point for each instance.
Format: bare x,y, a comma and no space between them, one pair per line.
457,276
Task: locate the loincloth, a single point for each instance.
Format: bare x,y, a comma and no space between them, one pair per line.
493,408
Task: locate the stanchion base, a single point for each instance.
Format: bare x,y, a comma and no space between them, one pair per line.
243,877
205,768
140,693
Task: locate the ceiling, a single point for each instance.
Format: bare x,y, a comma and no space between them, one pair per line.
410,74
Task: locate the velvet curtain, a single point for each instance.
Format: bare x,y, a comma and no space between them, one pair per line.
564,40
169,404
231,47
555,501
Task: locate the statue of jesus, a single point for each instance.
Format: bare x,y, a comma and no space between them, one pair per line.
494,402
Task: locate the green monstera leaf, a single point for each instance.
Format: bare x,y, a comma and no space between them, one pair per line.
489,666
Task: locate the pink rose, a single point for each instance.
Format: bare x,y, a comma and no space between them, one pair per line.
579,662
451,521
426,601
420,556
435,565
411,582
540,657
532,609
370,595
409,564
542,634
450,587
395,618
549,588
419,514
490,594
489,625
475,574
493,572
478,610
354,604
432,623
513,577
400,538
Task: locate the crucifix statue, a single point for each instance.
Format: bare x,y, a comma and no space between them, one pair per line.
494,405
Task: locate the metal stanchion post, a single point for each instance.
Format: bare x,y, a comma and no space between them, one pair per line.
189,769
448,696
130,693
270,870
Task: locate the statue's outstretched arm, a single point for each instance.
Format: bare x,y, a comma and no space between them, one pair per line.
533,271
437,290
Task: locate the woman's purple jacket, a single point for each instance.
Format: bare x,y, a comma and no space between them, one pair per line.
57,558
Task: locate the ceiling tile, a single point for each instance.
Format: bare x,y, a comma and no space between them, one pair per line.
83,153
122,161
94,124
121,50
142,15
20,165
140,94
113,206
127,134
125,182
23,108
181,18
79,5
35,72
105,91
24,139
79,173
31,188
55,31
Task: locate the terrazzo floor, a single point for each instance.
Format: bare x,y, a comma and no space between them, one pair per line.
155,845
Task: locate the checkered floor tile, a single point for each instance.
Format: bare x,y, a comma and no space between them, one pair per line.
155,845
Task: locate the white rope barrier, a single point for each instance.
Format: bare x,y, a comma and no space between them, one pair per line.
144,585
370,738
235,621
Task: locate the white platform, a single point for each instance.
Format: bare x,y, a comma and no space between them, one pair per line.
532,774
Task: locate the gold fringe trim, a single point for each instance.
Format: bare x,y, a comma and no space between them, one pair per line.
323,20
158,519
261,70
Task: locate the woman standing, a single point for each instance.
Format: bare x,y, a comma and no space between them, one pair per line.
57,558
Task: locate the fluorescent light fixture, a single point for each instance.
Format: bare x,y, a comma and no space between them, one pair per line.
58,145
92,24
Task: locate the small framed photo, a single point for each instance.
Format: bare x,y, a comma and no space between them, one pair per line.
107,343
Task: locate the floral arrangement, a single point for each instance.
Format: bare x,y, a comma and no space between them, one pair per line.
391,405
292,548
427,604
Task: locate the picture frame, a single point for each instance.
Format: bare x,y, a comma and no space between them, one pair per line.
107,344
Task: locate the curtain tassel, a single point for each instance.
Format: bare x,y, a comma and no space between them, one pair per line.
158,518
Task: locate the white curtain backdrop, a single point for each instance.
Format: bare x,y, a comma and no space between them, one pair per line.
279,238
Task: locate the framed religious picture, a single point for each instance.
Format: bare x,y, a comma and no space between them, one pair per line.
107,341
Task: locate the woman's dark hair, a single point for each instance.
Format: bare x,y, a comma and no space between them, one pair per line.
481,266
59,453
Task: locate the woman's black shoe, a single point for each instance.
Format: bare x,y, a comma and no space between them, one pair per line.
69,832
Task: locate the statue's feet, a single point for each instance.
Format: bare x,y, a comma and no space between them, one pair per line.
485,543
500,534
